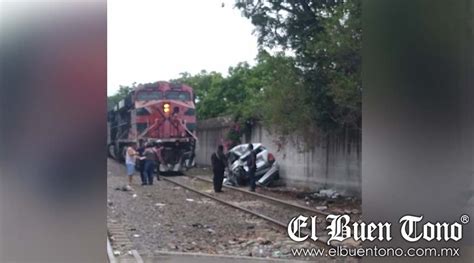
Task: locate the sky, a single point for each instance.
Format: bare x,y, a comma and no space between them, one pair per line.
151,40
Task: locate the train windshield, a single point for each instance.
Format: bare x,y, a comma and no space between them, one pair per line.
149,95
178,95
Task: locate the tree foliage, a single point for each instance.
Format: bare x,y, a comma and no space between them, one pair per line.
207,88
237,94
285,106
118,96
325,37
272,91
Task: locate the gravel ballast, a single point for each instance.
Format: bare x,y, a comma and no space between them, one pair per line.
165,217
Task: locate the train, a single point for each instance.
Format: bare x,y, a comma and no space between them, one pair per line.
160,111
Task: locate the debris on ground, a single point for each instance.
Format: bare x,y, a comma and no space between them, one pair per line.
263,241
198,225
125,188
327,194
189,199
276,254
322,207
172,246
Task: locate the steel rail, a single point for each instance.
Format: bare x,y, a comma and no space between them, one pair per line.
267,197
137,256
110,253
276,222
112,259
322,240
270,198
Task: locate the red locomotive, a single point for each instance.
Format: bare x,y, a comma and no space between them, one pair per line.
158,111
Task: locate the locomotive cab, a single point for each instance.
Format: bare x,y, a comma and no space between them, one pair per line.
158,111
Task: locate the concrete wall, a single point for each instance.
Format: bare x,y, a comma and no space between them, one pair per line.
210,134
334,162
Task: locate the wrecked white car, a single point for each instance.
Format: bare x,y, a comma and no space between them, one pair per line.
237,170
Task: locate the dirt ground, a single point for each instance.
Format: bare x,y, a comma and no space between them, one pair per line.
165,217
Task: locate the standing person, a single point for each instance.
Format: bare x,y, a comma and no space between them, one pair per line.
159,158
150,159
218,161
252,165
141,160
130,156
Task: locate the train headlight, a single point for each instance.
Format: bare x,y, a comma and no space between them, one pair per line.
166,107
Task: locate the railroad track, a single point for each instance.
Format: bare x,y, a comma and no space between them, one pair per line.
120,239
291,208
272,219
272,199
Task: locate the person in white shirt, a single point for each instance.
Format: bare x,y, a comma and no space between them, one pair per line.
130,157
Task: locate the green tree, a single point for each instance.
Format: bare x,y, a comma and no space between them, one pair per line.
271,91
207,88
118,96
285,105
325,38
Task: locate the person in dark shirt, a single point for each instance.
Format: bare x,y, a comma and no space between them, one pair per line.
252,165
219,162
150,163
141,161
159,157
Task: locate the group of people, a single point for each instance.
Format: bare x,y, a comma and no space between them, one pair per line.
148,156
219,162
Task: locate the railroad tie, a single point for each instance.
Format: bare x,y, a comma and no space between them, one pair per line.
120,242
